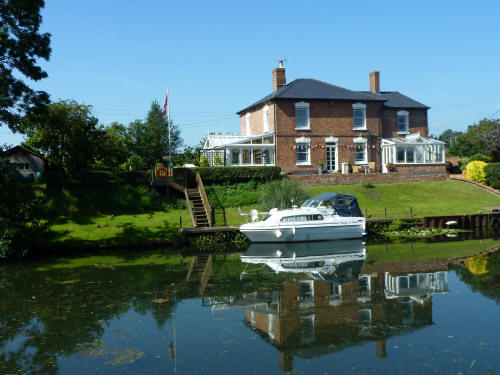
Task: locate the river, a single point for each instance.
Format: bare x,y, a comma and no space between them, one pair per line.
341,307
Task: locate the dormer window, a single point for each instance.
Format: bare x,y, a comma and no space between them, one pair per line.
403,127
301,116
359,116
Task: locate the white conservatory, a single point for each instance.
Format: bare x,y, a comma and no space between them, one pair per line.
238,150
412,150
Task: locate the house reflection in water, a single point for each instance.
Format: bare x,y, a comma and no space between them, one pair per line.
335,302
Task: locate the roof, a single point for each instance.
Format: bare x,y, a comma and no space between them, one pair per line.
397,100
307,88
15,149
218,140
411,139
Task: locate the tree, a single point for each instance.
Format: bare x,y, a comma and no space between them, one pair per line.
20,213
449,137
150,138
21,45
113,147
67,134
481,138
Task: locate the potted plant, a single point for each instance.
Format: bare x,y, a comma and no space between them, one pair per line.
345,166
320,167
390,167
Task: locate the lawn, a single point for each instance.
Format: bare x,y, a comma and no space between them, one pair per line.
425,198
120,230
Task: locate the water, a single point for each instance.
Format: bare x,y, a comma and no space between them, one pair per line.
322,308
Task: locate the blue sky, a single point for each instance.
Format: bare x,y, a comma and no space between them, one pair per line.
216,57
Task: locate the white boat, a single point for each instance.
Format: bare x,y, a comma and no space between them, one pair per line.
328,216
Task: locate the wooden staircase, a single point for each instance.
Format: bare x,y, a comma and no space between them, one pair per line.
195,202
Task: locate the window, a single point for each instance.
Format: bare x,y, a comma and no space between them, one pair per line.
247,123
302,115
360,150
257,156
359,115
265,114
400,154
235,156
245,156
403,127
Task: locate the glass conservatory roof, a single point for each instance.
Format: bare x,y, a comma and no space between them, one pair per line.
411,139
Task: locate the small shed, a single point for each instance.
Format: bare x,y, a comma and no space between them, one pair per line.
28,163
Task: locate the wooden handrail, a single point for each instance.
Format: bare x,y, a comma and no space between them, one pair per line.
189,207
204,198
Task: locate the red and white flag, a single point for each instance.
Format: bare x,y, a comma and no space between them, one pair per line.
165,106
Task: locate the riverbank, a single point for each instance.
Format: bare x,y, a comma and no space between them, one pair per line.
129,230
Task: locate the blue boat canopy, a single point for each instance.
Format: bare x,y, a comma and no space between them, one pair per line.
343,204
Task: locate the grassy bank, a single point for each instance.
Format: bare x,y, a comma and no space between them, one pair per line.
425,198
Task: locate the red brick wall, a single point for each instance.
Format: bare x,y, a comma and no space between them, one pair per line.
257,120
417,122
327,118
357,178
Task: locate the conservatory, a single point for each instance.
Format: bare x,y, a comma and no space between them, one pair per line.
412,150
237,150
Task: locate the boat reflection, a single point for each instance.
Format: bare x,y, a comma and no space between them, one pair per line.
320,260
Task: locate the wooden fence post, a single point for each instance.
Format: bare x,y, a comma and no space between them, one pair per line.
411,212
385,212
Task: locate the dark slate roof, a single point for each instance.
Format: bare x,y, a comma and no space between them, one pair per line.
306,88
397,100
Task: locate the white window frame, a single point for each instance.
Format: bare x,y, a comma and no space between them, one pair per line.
302,141
360,141
247,123
302,105
405,115
265,119
359,107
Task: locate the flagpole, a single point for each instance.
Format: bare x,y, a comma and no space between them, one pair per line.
169,126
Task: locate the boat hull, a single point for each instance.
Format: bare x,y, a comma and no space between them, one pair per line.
306,233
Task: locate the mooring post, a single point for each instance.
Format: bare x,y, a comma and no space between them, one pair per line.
180,222
411,212
366,212
385,212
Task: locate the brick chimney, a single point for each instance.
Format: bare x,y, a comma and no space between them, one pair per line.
375,81
279,78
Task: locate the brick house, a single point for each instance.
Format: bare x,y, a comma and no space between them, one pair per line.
307,122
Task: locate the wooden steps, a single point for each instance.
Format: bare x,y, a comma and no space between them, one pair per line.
197,208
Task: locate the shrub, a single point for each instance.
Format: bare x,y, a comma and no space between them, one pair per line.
218,161
463,163
367,184
492,173
234,195
475,171
223,175
204,162
479,157
396,226
280,193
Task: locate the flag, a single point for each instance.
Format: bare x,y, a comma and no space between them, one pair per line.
165,106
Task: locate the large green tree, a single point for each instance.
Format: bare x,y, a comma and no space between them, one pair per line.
480,138
21,45
113,147
67,134
150,137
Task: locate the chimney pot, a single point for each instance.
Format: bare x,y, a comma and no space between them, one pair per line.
375,81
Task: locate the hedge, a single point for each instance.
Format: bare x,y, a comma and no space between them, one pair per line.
492,172
221,175
98,178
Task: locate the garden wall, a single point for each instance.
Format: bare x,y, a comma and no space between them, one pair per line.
355,178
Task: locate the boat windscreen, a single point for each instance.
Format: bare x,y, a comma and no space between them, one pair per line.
347,207
311,203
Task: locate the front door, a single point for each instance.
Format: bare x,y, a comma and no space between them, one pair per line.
331,158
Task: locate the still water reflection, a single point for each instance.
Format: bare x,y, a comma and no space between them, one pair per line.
329,307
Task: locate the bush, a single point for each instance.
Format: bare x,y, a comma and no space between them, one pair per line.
280,193
234,195
492,173
463,163
475,171
479,157
223,175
